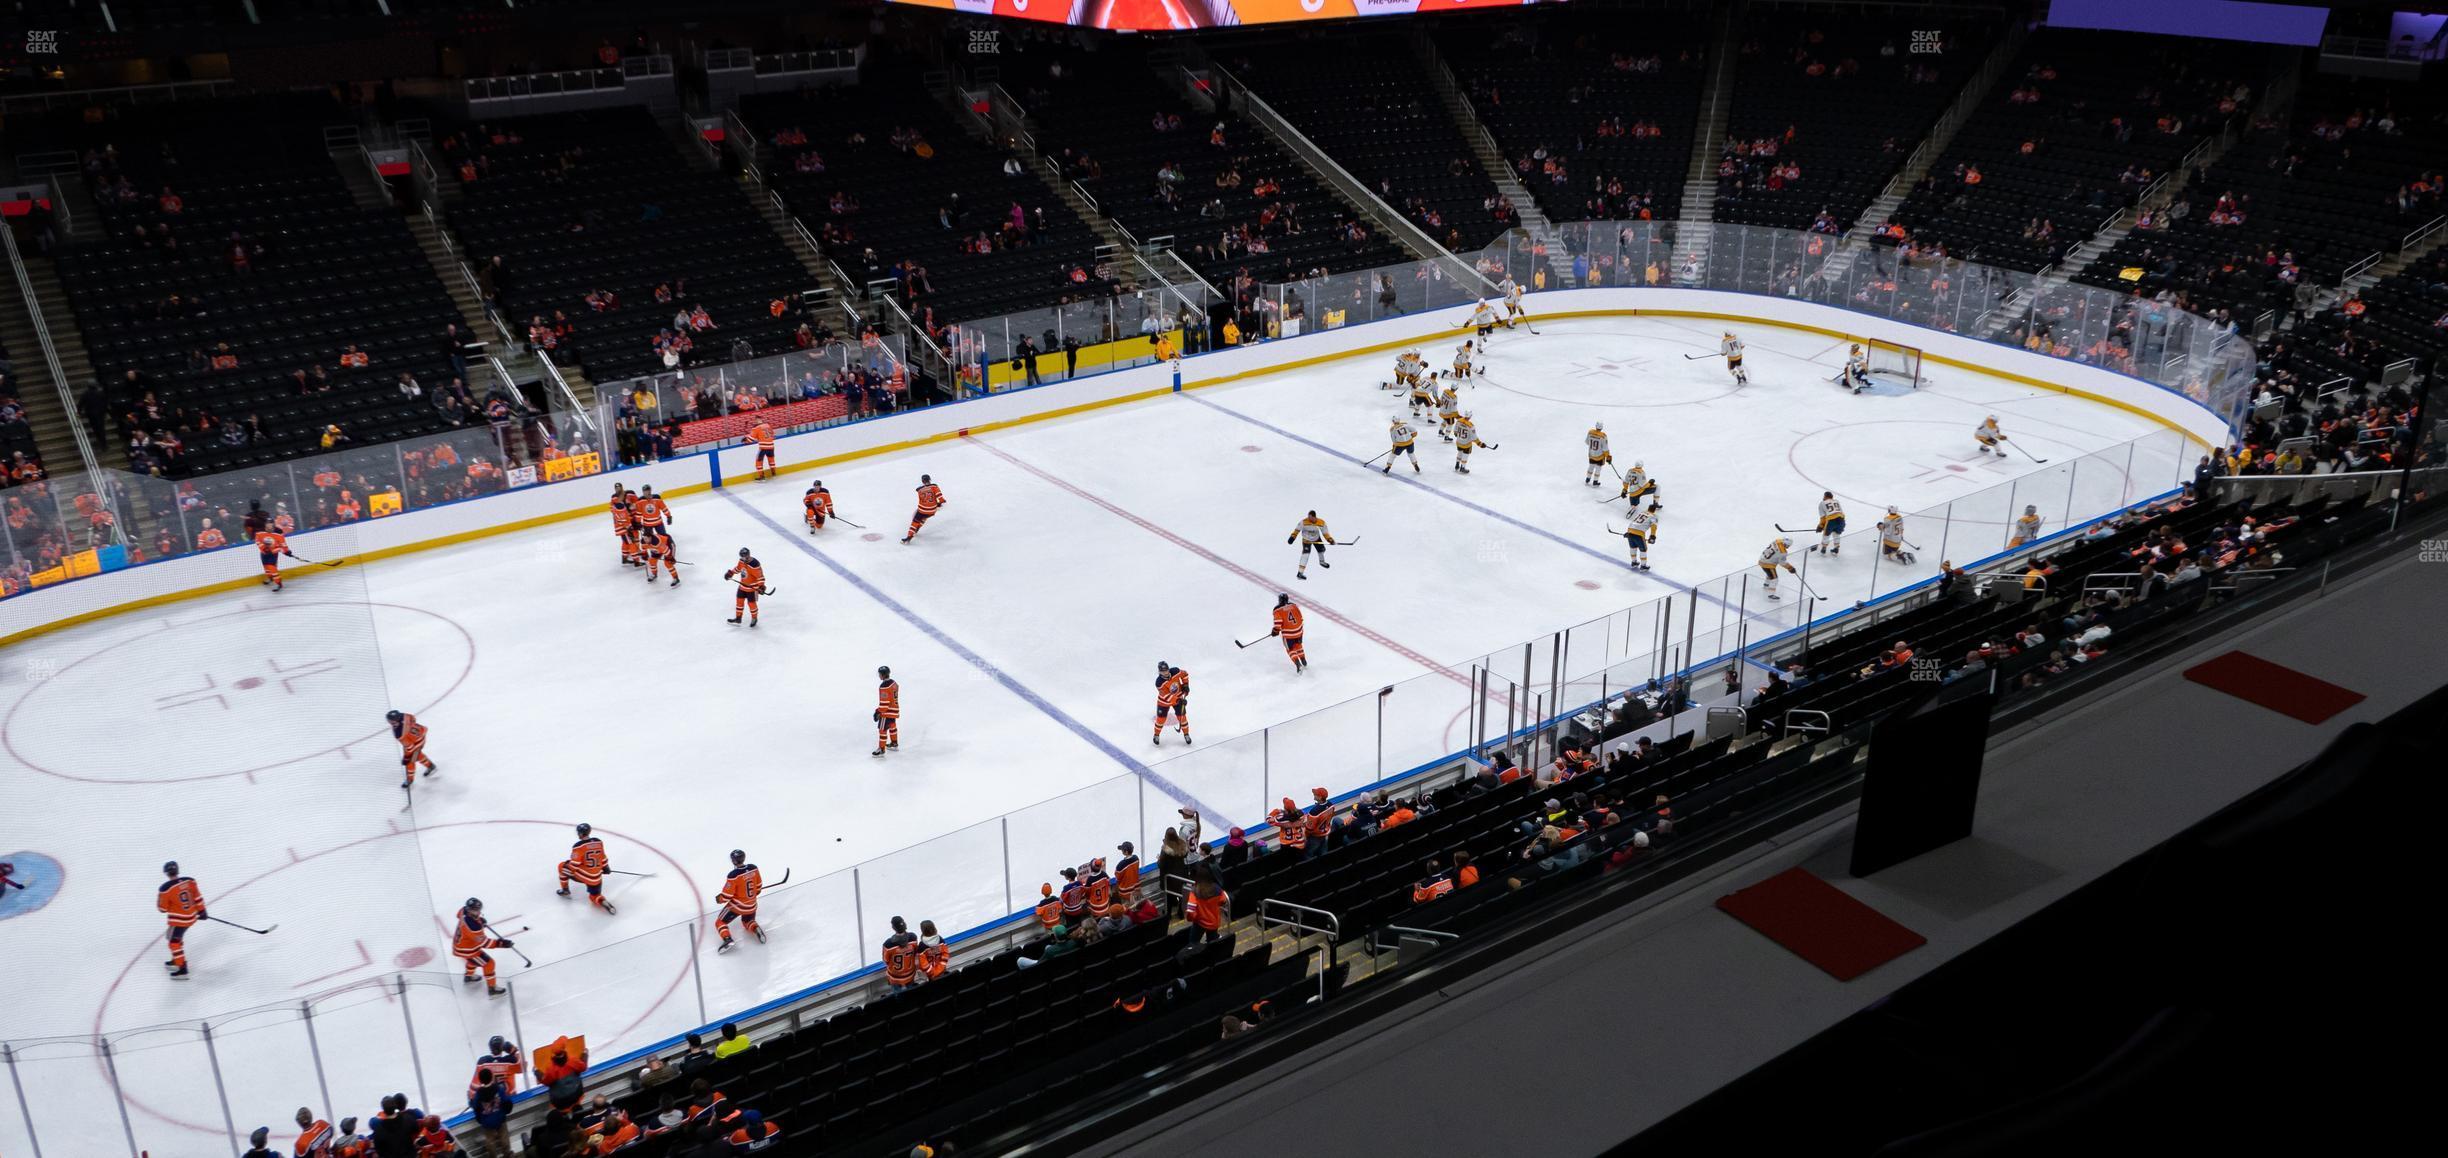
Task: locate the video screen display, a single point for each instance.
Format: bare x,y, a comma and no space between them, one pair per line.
1177,15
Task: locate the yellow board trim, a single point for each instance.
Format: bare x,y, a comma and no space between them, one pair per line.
457,537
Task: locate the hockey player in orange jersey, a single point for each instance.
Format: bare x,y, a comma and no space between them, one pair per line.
411,736
271,545
738,900
651,516
887,713
930,500
763,436
819,504
586,866
624,527
1172,699
471,936
750,575
1288,628
181,901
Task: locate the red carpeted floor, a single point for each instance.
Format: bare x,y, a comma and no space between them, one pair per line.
1821,923
2279,688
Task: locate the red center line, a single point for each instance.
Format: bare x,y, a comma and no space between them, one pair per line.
1262,581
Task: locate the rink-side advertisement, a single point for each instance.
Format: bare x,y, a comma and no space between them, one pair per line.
1178,15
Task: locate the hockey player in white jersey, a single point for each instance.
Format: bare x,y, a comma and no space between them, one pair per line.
1891,538
1464,355
1772,561
1514,314
1831,524
1856,375
1408,368
1636,483
1732,348
2026,528
1990,437
1483,318
1641,532
1423,393
1599,456
1466,439
1449,411
1402,436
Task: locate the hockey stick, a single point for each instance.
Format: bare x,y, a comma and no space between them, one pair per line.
1372,459
2019,450
1697,357
626,873
312,563
1260,639
848,523
784,881
236,925
521,954
1354,541
1612,499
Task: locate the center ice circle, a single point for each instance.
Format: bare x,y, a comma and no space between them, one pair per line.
243,691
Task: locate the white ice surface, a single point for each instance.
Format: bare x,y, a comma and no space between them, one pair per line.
1024,625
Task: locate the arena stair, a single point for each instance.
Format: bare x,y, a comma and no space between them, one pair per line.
1534,223
43,398
1716,111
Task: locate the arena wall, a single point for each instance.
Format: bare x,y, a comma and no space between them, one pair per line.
188,576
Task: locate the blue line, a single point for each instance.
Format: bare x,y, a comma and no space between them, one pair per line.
973,659
1497,515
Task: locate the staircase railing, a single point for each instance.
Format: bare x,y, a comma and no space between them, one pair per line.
59,376
1352,188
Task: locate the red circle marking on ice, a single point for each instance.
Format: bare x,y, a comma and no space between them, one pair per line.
872,537
8,725
1586,584
413,956
154,945
1251,449
250,683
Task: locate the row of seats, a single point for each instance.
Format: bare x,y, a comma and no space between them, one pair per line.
1844,101
2355,171
921,200
1096,113
576,203
1559,83
230,267
1365,99
2080,122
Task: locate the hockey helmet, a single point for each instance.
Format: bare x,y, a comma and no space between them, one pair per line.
585,828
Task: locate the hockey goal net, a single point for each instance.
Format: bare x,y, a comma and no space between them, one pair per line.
1895,361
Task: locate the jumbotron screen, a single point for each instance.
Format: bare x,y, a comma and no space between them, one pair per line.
1173,15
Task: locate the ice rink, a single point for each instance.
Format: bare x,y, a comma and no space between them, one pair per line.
243,736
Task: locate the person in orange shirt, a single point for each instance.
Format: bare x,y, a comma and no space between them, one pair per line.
473,935
750,575
652,515
1126,875
763,436
754,1133
624,527
617,1131
1172,699
738,898
181,901
586,866
819,503
1210,905
887,713
900,956
930,500
315,1136
271,545
432,1141
411,735
934,956
1049,907
210,537
1288,629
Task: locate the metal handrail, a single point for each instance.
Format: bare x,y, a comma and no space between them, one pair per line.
1333,930
59,379
552,370
1825,725
1310,153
